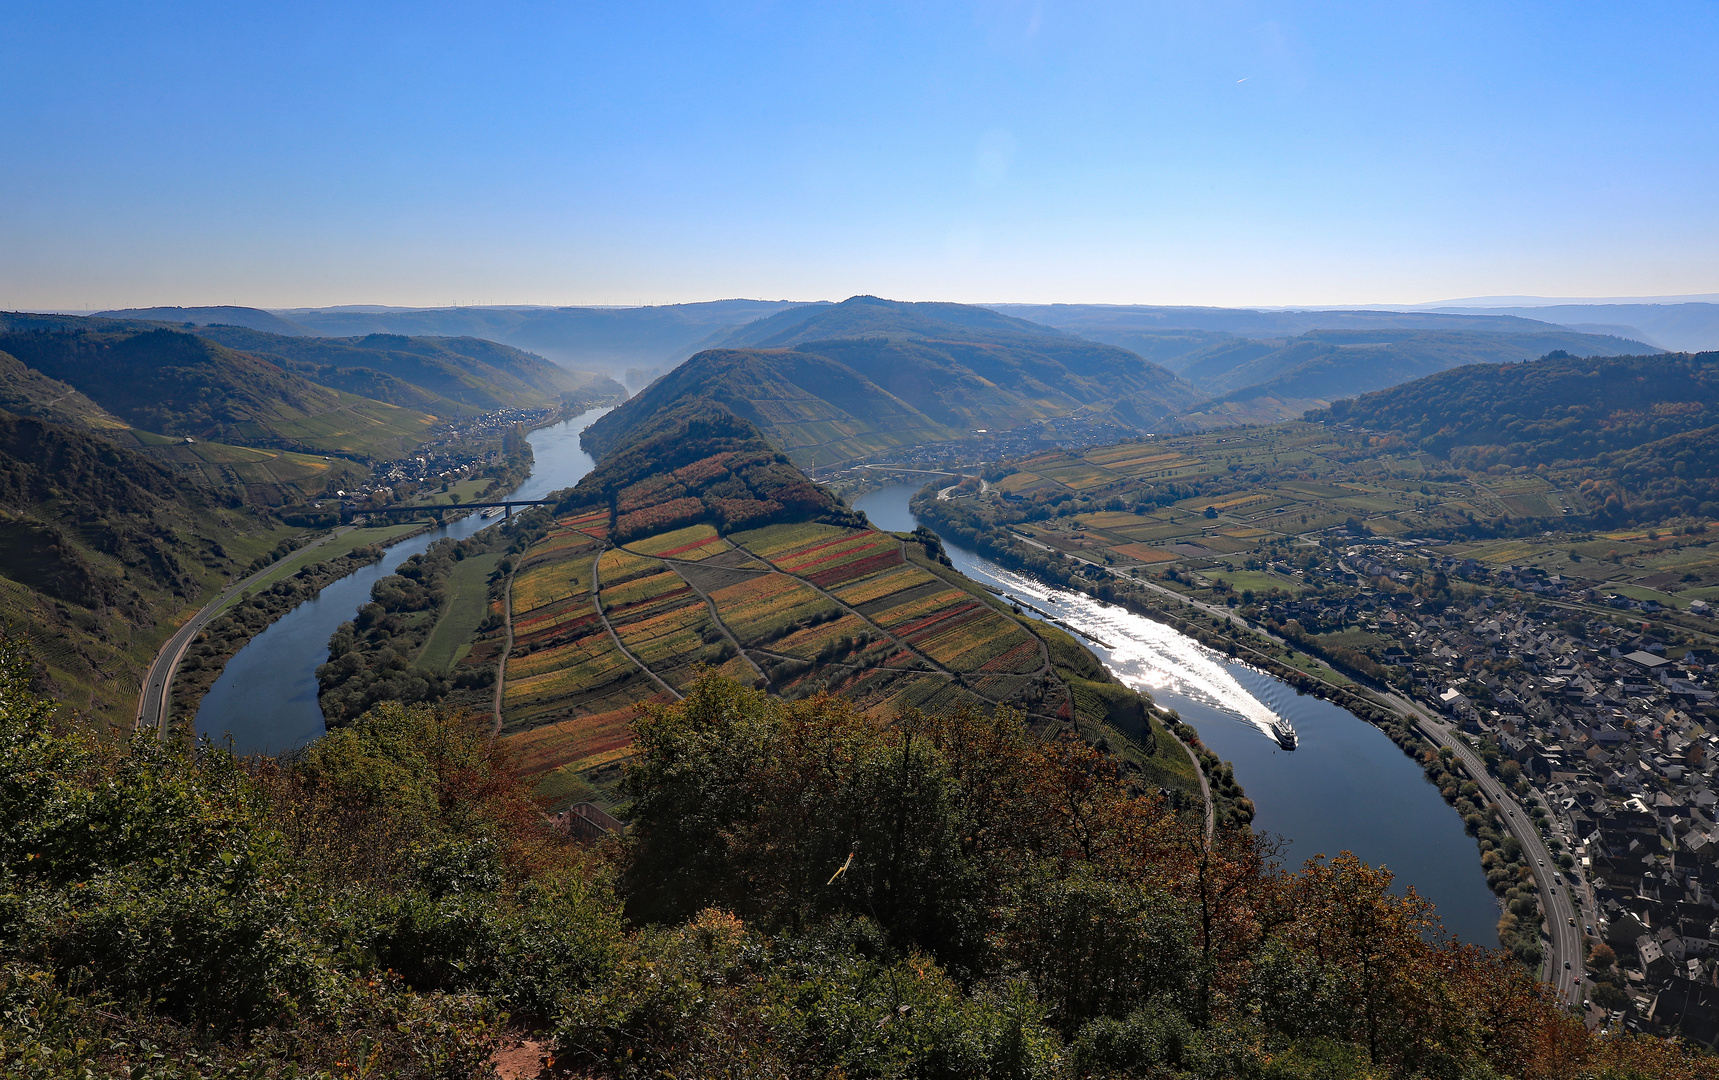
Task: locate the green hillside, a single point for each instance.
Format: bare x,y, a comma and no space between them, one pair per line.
818,410
1636,433
832,383
180,384
937,355
101,549
467,371
24,391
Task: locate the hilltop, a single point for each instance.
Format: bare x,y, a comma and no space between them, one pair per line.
833,383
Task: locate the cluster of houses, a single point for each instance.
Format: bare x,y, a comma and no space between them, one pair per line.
1616,736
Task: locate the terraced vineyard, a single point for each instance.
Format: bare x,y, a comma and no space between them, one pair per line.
800,608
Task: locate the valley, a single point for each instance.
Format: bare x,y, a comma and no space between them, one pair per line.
690,549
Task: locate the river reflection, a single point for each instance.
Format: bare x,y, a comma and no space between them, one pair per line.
1346,786
265,699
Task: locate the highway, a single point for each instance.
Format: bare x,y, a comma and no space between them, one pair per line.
154,704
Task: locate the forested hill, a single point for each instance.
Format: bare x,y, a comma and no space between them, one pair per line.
1643,430
914,349
99,547
163,380
445,371
167,381
834,383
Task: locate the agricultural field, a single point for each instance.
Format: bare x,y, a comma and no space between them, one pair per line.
830,609
765,607
693,544
878,586
468,604
774,540
618,565
1212,500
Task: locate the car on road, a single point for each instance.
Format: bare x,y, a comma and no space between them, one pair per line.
1572,920
1566,964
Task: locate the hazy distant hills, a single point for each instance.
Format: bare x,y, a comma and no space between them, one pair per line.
609,340
1259,366
1687,327
1106,322
838,382
226,315
421,372
910,349
1335,363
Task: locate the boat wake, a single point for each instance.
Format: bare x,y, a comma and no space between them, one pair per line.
1146,655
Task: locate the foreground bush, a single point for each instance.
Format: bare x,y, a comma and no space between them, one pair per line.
812,894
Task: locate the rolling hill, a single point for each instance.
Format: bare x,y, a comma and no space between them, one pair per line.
1635,434
1691,326
100,549
1261,366
609,340
1327,364
182,385
220,315
421,372
832,383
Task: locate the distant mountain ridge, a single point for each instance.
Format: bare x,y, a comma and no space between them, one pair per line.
1261,366
1689,327
223,315
464,371
1336,363
838,382
607,340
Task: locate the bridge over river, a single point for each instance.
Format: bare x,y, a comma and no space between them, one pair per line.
350,510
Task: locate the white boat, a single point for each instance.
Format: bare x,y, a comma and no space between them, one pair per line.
1283,733
494,511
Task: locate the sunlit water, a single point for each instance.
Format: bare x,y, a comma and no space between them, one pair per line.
1346,786
265,699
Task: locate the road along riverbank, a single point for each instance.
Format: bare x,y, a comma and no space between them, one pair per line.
266,698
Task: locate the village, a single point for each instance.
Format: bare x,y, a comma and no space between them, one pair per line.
1604,723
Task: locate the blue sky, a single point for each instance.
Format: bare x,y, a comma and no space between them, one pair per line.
575,152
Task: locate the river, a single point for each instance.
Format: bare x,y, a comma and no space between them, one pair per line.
1346,786
265,699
